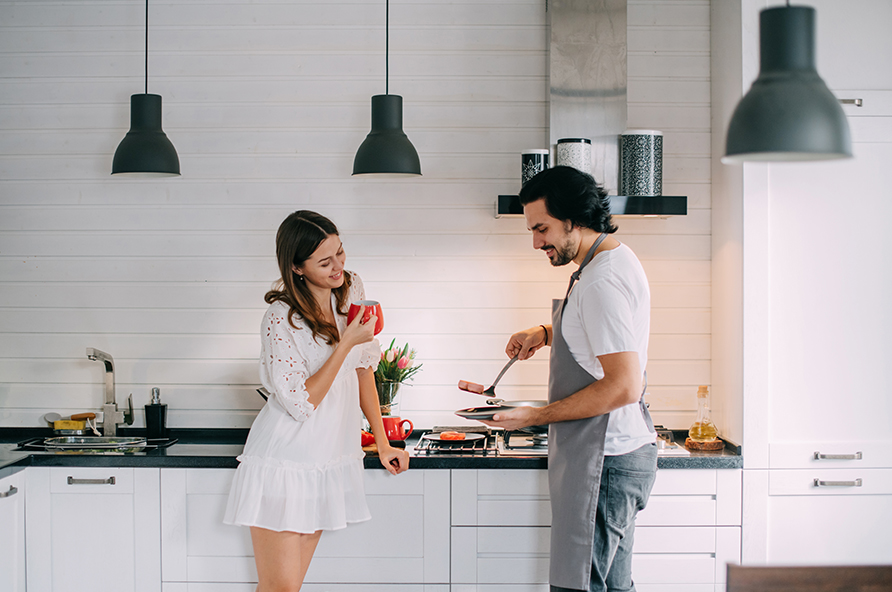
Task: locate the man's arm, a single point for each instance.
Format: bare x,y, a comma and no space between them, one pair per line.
620,386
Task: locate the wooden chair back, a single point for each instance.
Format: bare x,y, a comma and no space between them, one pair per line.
848,578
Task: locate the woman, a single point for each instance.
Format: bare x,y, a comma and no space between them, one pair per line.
301,471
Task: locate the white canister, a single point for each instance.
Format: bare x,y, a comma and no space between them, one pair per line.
641,163
574,152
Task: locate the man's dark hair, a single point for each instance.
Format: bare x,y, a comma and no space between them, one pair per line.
570,196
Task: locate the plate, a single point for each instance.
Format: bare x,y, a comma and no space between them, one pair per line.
480,412
469,437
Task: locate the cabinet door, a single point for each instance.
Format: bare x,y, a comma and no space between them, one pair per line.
99,525
830,516
12,533
405,542
830,284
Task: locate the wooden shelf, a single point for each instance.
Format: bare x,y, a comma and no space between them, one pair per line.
620,205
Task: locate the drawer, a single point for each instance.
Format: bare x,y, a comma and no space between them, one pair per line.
520,498
500,498
662,555
876,454
820,481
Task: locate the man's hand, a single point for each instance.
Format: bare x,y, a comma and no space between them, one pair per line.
514,419
524,344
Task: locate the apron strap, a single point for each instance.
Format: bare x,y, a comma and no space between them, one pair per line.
588,257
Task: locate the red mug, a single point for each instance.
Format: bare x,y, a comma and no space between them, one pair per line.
371,307
393,427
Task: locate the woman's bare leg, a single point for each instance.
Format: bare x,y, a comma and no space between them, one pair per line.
282,558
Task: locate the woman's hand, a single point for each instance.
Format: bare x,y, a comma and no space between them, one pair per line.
524,344
358,332
395,460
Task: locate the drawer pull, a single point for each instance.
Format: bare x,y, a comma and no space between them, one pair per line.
855,483
73,481
856,102
856,456
12,491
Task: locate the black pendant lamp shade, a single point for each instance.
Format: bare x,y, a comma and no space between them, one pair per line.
146,151
387,150
789,114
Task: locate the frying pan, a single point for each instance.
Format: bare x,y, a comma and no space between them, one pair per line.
494,405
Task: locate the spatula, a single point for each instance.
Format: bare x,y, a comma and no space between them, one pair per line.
491,391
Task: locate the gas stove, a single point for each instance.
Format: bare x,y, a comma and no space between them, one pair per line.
492,443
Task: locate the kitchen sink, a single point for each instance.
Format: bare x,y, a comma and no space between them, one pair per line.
93,442
95,445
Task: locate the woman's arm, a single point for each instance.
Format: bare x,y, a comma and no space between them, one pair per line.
355,334
394,460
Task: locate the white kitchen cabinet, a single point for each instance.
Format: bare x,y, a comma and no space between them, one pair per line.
684,539
802,285
12,532
93,529
405,546
829,517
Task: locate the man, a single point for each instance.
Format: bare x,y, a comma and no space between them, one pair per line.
602,455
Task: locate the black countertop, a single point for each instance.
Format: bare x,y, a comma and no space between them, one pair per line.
218,449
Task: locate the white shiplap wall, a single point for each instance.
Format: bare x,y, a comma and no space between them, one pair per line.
266,103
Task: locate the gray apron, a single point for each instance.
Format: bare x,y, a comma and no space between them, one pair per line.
575,459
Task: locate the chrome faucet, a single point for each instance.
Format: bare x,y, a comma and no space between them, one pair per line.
111,417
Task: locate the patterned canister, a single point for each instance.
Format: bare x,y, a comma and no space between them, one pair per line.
574,152
641,163
532,162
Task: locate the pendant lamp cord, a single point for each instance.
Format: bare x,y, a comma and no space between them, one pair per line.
147,46
386,48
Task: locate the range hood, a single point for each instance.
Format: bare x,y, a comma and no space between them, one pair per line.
588,91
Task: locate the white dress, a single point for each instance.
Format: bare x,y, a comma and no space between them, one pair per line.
301,469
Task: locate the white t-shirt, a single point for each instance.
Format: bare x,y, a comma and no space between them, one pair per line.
609,312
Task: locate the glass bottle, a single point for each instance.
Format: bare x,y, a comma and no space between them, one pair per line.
703,429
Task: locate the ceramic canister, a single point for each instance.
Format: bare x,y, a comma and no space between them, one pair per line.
532,162
641,163
574,152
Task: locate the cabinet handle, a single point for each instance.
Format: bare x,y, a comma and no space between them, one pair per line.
856,102
855,483
73,481
12,491
856,456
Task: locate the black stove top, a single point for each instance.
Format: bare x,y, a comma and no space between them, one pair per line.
470,447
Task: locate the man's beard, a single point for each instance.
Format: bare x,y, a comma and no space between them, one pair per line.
563,254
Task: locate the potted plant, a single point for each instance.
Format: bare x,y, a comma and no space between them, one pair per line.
397,365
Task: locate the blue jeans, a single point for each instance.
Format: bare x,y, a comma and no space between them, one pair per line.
626,482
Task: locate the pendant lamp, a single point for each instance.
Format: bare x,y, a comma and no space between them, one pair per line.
387,150
145,151
788,114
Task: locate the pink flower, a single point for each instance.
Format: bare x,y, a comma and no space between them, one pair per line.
403,363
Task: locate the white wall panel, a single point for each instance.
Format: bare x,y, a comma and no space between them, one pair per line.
266,104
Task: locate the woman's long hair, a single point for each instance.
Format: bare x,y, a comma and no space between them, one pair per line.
300,234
